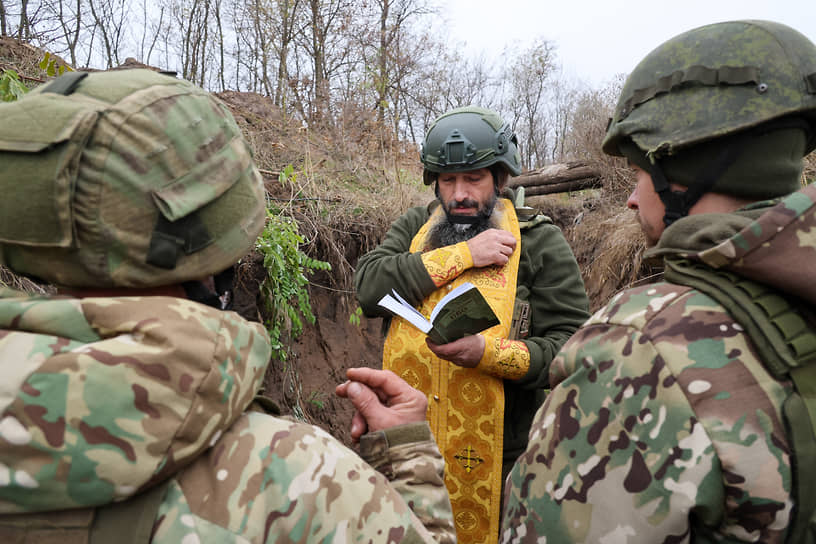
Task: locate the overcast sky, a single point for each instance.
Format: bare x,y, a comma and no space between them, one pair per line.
597,39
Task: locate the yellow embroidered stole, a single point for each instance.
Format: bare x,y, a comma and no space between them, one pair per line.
466,406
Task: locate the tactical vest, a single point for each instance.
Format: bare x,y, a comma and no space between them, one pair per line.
784,333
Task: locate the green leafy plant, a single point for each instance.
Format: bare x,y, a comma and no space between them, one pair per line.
284,290
354,317
52,67
11,88
318,399
288,173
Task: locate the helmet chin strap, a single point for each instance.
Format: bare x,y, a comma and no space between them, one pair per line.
221,298
678,203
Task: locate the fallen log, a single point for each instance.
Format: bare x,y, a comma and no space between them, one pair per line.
557,178
565,187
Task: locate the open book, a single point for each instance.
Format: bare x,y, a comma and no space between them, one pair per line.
461,312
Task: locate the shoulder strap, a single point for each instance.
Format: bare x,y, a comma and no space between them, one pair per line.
130,521
785,337
65,84
126,522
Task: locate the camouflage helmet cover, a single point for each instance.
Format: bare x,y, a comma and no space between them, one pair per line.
469,138
134,179
714,81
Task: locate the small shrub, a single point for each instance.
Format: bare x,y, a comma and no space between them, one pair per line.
53,67
11,88
284,291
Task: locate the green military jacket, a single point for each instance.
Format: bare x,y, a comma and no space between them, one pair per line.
664,424
549,279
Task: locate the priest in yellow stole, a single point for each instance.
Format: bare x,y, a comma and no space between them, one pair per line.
483,389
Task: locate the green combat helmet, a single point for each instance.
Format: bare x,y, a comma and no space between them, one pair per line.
706,96
125,178
469,138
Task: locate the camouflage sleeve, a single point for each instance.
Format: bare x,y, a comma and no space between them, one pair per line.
103,396
615,451
409,457
662,425
274,480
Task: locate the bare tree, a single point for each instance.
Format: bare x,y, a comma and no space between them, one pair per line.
562,104
69,18
24,28
192,19
109,18
3,24
394,18
287,12
528,77
587,124
152,29
321,39
222,68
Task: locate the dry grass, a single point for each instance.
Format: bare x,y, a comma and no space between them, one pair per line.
809,173
608,245
344,184
20,283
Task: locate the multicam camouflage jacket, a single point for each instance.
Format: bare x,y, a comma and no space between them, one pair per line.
102,398
663,424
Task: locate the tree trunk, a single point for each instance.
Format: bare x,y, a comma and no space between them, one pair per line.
321,99
563,187
555,174
221,64
381,84
3,28
24,32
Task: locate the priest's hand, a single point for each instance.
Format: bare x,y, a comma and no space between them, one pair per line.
465,352
491,247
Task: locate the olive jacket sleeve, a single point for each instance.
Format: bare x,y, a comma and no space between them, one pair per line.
549,279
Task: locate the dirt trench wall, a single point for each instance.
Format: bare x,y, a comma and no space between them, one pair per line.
318,360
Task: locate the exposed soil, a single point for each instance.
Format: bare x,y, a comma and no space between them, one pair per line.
303,385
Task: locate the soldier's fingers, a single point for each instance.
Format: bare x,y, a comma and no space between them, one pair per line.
358,426
363,398
383,381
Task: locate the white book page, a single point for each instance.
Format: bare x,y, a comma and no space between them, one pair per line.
406,311
467,286
407,304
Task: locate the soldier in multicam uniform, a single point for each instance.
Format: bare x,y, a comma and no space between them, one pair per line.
683,411
124,403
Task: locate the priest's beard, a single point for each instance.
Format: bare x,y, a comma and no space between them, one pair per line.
449,230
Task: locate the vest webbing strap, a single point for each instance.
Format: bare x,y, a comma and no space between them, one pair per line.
66,83
786,341
127,522
802,408
130,521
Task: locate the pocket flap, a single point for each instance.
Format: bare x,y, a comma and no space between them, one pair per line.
39,121
41,144
205,182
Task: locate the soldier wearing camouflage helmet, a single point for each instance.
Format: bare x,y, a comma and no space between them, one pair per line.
684,410
484,388
124,399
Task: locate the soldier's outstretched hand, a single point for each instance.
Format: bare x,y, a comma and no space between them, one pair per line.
493,246
381,399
